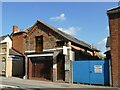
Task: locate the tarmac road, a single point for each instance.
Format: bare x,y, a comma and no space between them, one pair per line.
14,83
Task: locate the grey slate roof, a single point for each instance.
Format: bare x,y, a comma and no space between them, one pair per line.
65,35
3,37
69,37
114,10
12,51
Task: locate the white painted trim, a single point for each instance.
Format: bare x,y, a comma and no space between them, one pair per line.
2,53
40,55
52,49
30,51
56,49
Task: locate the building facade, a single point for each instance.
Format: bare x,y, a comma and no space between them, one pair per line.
11,61
114,24
49,52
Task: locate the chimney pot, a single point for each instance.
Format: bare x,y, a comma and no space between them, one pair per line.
15,28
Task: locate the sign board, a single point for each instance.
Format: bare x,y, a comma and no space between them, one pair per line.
98,68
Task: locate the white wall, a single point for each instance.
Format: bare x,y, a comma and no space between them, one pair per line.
7,39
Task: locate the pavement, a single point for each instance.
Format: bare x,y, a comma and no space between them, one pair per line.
14,83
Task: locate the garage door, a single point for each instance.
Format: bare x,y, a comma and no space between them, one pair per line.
42,68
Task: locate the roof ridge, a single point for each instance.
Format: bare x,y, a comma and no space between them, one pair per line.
72,37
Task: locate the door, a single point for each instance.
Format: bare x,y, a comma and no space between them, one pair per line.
60,67
42,68
97,72
81,71
39,70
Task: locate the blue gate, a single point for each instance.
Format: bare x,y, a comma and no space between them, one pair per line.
91,71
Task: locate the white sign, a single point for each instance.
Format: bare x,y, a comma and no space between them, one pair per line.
64,50
98,68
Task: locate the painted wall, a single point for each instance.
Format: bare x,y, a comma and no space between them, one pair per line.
7,39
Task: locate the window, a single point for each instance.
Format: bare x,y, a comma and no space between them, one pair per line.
3,65
39,43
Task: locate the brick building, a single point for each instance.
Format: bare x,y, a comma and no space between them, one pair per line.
49,52
11,61
114,24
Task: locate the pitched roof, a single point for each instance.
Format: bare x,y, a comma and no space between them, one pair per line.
12,51
64,35
114,10
3,37
108,42
69,37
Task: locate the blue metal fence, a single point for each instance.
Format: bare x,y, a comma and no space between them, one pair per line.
91,71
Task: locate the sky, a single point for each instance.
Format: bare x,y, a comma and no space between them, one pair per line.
87,21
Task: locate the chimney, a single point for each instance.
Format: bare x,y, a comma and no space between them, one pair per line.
15,28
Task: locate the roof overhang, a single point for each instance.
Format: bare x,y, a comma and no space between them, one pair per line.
114,10
107,52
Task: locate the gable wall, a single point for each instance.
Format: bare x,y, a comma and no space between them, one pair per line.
49,38
7,39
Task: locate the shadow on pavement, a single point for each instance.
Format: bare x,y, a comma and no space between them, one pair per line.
60,88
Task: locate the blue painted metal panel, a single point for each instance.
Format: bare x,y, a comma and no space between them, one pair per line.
97,72
106,72
91,71
81,71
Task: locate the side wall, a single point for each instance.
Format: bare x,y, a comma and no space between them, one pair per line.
114,21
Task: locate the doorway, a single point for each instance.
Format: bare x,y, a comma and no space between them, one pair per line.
61,67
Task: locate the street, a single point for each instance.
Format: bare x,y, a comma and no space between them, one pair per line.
13,83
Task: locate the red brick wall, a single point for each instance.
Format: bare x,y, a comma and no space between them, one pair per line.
119,51
18,42
114,22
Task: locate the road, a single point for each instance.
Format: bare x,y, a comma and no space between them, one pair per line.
14,83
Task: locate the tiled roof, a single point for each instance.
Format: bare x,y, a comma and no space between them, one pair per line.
12,51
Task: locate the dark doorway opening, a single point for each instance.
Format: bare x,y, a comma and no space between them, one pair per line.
61,67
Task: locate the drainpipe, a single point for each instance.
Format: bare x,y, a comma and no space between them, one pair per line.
110,69
26,62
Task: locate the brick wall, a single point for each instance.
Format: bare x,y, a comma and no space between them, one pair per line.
18,42
119,51
114,21
49,38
